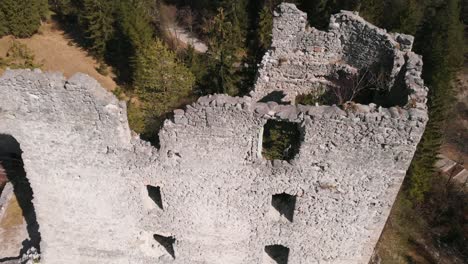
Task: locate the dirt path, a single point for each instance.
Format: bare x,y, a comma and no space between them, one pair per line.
57,52
186,38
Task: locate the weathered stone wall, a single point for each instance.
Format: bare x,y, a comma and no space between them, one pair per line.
213,201
303,58
67,131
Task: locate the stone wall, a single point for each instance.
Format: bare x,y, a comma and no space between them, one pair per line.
302,58
207,195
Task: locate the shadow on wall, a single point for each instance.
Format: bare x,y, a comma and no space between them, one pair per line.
10,158
275,96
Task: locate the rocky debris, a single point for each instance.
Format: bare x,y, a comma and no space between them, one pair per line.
32,256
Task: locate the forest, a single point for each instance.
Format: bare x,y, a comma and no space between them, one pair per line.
130,36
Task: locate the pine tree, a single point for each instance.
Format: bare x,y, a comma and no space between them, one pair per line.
22,16
372,11
265,27
237,15
65,8
440,41
222,49
160,80
98,22
43,8
3,24
135,24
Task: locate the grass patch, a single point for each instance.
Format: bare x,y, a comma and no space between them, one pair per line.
19,56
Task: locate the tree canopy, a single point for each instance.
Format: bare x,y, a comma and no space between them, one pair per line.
21,18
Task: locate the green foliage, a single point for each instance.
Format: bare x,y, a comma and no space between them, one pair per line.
280,140
103,69
409,15
223,51
19,57
196,63
319,11
3,24
135,24
372,10
440,41
265,27
403,16
43,8
97,19
237,15
136,118
321,96
64,8
21,17
160,80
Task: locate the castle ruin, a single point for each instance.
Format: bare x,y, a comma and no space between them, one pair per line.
208,195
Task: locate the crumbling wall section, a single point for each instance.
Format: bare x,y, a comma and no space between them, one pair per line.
345,179
74,137
303,59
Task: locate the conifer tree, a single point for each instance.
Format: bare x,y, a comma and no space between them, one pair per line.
43,8
440,41
98,22
3,24
222,48
64,8
265,27
22,17
136,25
160,80
372,11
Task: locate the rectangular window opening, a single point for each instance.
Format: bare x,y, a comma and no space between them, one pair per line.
281,140
154,192
284,204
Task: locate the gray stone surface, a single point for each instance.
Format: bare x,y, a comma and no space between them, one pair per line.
90,175
303,59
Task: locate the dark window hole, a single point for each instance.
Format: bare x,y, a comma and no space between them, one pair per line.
155,194
278,253
167,243
284,204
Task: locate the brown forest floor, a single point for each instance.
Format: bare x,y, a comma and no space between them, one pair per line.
56,51
456,145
